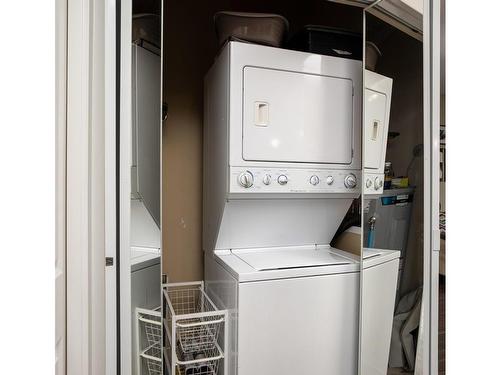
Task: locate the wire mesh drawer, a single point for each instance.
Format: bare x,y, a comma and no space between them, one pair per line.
150,333
195,330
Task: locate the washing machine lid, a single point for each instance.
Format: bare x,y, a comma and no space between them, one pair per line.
287,258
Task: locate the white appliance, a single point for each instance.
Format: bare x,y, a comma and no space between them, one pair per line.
380,275
378,91
145,278
145,235
146,114
282,161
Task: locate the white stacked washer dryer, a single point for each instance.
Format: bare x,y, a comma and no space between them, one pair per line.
282,161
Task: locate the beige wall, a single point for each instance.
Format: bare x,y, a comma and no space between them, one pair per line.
190,47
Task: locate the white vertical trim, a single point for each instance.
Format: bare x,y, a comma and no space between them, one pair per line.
125,185
110,184
85,188
97,192
60,274
430,298
423,345
78,355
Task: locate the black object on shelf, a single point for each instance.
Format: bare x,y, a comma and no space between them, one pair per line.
393,135
329,41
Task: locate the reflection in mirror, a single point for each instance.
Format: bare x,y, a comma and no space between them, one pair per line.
145,233
392,199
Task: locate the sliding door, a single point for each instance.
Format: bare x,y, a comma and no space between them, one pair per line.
399,279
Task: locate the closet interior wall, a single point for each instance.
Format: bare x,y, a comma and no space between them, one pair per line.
190,47
146,6
402,60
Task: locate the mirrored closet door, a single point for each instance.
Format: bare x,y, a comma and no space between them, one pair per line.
393,190
140,187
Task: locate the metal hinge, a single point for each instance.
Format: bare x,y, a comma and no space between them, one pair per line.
109,261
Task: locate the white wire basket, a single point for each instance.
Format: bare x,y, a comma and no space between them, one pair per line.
195,329
149,332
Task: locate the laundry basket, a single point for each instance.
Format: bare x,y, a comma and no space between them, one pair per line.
195,329
149,341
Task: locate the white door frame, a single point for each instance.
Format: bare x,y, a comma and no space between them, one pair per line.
97,184
124,104
85,188
110,182
60,256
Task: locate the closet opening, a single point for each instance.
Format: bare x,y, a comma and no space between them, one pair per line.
264,183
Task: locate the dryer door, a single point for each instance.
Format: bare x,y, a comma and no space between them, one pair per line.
297,117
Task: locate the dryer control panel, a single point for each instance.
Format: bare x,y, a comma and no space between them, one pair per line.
278,180
374,183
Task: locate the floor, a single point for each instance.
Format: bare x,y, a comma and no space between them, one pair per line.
441,332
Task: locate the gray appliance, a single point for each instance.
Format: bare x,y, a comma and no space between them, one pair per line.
392,210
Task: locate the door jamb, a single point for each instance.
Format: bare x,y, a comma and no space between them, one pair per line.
85,229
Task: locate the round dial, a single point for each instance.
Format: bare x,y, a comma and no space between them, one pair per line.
245,179
378,183
282,179
369,183
266,179
314,180
350,181
329,180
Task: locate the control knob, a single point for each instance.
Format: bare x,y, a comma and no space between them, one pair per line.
329,180
350,181
282,179
266,179
314,180
245,179
369,183
378,183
